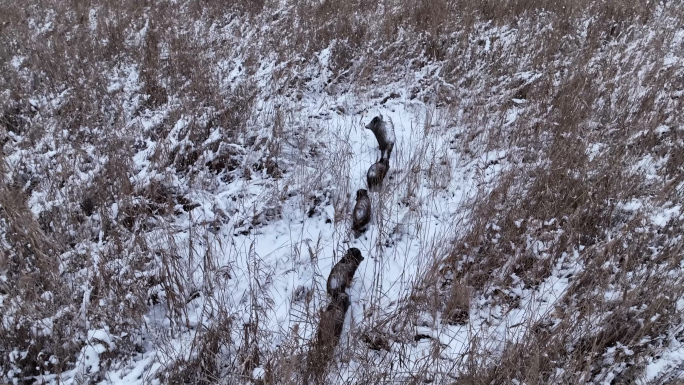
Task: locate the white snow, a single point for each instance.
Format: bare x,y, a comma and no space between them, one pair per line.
114,210
670,359
662,129
92,19
663,217
258,373
17,61
631,206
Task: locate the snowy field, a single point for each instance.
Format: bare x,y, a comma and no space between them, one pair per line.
267,268
276,240
246,249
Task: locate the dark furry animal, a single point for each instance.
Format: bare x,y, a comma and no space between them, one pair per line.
332,320
384,133
376,341
376,174
362,212
327,336
343,272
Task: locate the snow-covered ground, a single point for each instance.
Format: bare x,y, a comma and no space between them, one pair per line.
293,254
261,271
252,251
254,247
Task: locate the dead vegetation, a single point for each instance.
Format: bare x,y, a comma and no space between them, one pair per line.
86,86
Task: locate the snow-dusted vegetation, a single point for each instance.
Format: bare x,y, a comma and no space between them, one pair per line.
177,180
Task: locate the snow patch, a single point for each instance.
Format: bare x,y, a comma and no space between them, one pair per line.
662,217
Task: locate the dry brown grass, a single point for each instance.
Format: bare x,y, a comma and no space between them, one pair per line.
591,92
557,194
